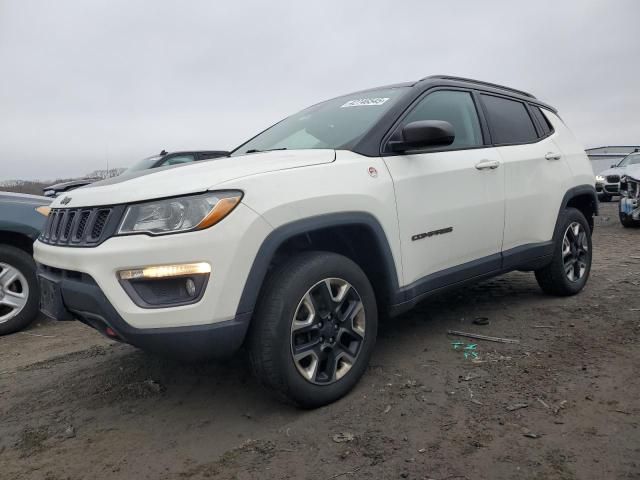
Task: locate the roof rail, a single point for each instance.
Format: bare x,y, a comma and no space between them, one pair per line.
479,82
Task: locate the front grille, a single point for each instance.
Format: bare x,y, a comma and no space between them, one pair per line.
80,227
99,223
82,223
613,178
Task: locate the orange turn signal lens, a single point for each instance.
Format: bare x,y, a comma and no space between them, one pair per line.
43,210
221,210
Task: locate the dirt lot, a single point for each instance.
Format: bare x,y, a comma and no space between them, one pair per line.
74,405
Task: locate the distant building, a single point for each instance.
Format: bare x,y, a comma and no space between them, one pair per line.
603,157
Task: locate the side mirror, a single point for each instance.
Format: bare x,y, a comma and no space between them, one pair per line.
614,165
423,134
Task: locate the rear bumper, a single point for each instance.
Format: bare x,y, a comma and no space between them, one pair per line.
84,300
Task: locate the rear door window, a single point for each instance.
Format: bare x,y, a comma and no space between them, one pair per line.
509,120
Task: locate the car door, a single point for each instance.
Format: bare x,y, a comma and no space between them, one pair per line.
450,201
534,174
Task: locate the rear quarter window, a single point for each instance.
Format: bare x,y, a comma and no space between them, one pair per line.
509,120
542,120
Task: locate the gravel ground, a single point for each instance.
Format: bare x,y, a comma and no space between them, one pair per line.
561,404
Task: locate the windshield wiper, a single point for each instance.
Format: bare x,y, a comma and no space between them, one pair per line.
255,150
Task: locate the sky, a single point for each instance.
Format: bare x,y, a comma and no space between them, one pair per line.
86,84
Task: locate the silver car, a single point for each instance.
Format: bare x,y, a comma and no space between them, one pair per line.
608,181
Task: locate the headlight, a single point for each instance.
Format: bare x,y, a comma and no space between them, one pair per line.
180,214
599,178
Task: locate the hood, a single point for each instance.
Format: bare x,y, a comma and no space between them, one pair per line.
71,183
23,199
191,178
633,171
611,171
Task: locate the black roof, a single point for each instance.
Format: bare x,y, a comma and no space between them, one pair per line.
448,80
478,82
453,81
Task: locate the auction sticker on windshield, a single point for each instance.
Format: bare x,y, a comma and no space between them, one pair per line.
364,102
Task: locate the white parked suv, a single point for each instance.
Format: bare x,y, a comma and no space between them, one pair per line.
300,239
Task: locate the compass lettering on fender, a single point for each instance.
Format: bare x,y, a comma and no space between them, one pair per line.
432,233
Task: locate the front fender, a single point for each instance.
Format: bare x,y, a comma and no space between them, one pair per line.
285,232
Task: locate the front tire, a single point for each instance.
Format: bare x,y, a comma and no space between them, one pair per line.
314,329
19,290
603,197
568,271
627,221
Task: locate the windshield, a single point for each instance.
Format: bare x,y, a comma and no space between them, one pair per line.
144,164
632,159
331,124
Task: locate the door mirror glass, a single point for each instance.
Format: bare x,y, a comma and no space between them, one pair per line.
424,134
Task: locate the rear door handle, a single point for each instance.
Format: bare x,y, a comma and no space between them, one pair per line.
553,156
488,165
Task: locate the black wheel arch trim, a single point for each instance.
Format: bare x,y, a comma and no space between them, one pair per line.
574,192
281,234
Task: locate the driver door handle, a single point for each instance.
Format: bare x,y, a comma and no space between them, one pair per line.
553,156
488,165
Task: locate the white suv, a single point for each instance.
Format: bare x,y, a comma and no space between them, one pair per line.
305,234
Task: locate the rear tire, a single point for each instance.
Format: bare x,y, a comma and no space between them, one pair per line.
314,328
569,269
19,290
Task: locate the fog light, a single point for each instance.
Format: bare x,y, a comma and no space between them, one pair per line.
165,271
166,285
191,287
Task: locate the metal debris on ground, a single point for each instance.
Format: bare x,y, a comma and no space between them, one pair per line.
529,434
561,406
343,437
543,403
516,406
482,337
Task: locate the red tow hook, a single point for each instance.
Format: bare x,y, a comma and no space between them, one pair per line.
110,332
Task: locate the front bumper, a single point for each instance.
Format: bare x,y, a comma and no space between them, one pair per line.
630,207
83,299
229,248
608,188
